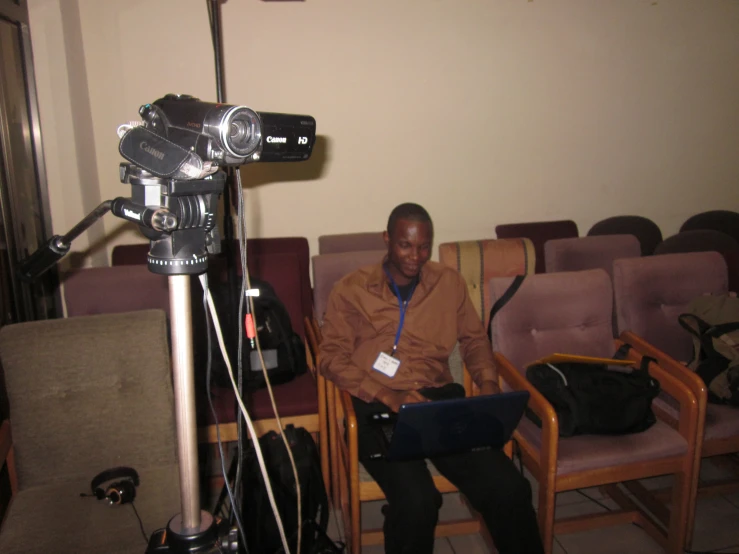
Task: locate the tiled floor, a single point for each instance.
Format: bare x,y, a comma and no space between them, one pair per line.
716,525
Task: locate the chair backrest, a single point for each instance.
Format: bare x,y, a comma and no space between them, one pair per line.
724,221
290,278
480,260
103,290
350,242
328,269
87,394
597,252
652,292
568,312
283,263
129,254
644,229
539,232
701,240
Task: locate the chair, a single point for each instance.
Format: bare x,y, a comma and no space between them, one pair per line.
724,221
351,484
284,264
479,261
645,230
570,312
129,254
87,394
650,295
705,240
539,232
106,290
596,252
350,242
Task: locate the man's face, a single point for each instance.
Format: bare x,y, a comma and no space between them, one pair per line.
408,248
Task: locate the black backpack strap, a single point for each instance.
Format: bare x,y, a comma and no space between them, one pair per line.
503,300
701,324
624,349
722,328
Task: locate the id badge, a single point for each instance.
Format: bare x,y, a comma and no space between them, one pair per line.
386,364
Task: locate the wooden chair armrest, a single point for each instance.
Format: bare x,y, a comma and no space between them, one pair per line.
311,337
345,399
309,359
669,364
6,441
537,404
677,388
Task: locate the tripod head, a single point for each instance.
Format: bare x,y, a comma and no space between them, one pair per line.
182,247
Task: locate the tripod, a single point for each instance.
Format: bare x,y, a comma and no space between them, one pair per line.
181,232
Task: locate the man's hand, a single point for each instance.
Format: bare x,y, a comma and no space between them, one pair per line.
489,387
395,399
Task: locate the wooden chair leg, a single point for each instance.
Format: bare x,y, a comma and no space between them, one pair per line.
682,498
546,514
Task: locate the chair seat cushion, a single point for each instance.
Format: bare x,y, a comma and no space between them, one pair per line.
589,452
721,422
295,398
54,518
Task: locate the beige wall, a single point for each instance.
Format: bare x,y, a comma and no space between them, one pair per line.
484,111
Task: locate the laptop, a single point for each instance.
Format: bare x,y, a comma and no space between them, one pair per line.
441,427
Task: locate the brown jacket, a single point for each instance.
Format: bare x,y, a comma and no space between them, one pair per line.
362,319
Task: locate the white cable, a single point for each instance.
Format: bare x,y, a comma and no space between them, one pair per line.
249,424
246,285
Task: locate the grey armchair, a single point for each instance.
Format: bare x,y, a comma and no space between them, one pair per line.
87,394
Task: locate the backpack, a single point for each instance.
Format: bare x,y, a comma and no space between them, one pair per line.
592,399
282,348
261,530
713,321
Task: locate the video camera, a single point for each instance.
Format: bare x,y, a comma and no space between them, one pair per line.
175,154
184,138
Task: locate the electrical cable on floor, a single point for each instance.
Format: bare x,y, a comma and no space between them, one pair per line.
208,376
141,523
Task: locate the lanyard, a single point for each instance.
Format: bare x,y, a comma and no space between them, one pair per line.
403,307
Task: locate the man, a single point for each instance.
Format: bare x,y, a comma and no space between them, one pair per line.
387,335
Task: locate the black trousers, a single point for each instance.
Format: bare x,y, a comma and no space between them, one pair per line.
488,478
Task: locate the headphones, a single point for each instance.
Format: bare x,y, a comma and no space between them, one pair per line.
120,492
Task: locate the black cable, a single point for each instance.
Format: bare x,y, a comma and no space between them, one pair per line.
594,500
141,523
208,376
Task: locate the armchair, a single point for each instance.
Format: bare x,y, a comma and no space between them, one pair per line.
87,394
351,484
571,313
650,294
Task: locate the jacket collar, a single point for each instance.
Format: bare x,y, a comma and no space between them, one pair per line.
377,281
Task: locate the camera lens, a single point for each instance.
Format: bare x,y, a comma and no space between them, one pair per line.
240,131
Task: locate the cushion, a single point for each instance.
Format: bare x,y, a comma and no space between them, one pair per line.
54,518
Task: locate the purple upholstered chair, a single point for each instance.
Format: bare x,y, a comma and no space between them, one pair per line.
597,252
330,268
351,484
644,229
570,312
706,240
350,242
650,295
108,290
539,232
724,221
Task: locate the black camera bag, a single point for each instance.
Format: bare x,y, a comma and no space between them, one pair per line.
594,399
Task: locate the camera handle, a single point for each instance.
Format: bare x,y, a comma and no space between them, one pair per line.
192,530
